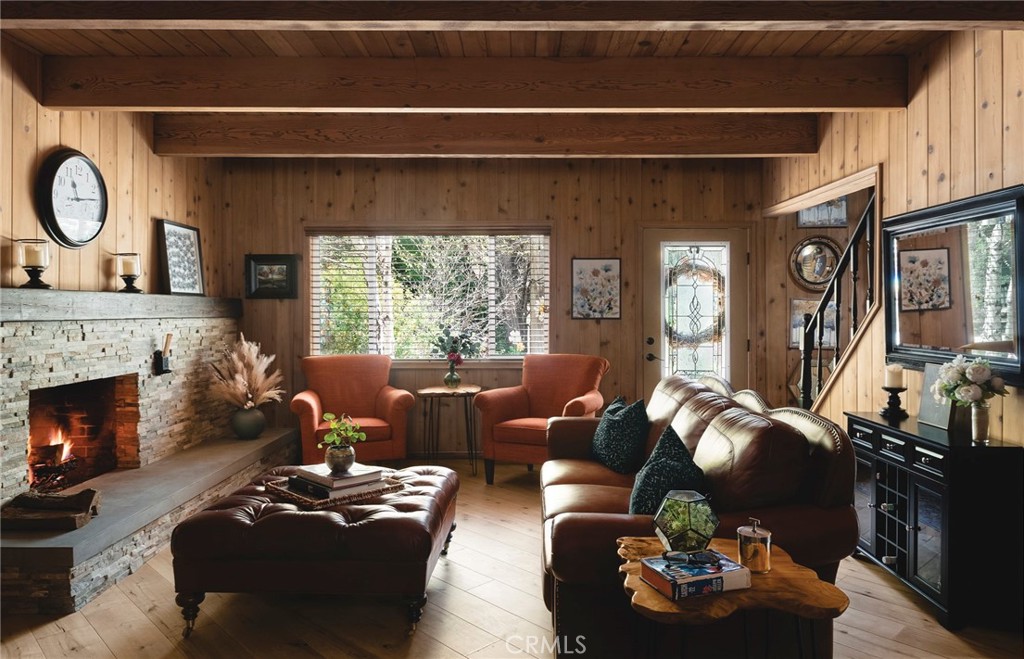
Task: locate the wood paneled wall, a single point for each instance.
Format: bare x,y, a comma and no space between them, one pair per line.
141,187
961,135
592,208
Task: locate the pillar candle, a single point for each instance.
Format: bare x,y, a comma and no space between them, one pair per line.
894,376
129,266
34,256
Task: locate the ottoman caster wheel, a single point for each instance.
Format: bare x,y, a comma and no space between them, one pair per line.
416,605
189,603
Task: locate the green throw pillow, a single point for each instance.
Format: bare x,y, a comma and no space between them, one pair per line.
670,467
620,436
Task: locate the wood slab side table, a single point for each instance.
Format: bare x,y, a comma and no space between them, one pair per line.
432,397
789,588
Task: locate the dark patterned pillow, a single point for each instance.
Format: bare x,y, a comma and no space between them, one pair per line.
620,436
670,447
670,467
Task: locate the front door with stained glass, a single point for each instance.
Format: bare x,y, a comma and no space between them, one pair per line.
698,292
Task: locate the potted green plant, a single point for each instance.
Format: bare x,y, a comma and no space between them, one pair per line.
344,431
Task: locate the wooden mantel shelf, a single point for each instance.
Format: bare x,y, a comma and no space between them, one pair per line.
21,304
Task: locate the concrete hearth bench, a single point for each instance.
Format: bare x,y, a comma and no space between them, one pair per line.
254,541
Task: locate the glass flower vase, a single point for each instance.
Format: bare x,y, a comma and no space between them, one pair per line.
451,378
979,421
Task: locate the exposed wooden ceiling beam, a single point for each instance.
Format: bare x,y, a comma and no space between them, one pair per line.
482,135
517,15
765,84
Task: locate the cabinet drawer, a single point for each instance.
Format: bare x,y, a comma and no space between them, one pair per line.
863,437
892,447
929,462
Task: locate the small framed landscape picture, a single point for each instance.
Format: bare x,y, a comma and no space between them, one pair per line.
596,288
181,261
272,276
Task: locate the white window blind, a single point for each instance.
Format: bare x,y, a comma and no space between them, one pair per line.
391,294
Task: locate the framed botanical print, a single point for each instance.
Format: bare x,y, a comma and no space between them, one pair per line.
596,288
181,261
271,275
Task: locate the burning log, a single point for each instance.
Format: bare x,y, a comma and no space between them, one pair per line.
48,477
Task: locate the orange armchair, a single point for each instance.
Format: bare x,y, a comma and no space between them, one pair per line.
514,420
356,385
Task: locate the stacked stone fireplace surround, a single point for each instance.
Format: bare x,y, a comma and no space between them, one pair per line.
52,338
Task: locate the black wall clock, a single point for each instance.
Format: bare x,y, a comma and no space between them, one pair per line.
71,198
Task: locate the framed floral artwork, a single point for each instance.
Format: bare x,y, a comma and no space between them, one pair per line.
596,288
924,279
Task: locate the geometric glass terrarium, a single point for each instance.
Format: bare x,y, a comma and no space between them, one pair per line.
685,521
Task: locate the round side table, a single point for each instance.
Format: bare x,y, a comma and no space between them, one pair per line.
432,397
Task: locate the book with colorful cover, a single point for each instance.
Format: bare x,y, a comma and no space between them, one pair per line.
677,580
357,474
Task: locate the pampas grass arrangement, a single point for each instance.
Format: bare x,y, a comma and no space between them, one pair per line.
241,379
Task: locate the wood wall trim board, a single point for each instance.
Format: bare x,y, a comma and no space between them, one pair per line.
863,179
495,84
25,305
515,15
848,358
485,135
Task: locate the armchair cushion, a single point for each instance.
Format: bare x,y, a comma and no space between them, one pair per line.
529,430
621,435
670,467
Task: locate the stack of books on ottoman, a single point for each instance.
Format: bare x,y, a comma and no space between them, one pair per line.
317,486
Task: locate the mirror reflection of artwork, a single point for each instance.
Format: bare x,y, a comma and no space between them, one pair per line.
924,280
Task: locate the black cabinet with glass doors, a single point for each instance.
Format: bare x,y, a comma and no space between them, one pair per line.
942,514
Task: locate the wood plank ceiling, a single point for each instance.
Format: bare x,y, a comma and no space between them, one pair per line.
439,78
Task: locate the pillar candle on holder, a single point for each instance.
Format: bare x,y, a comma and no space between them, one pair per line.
34,256
129,264
894,376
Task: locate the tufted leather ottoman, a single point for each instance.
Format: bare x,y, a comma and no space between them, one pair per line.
252,541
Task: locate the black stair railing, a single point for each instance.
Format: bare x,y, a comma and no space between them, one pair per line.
848,268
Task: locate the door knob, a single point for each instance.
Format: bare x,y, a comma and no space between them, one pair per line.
650,357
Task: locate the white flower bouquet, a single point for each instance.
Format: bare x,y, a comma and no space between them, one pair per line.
965,383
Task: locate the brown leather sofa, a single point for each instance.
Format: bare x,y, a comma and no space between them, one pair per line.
792,470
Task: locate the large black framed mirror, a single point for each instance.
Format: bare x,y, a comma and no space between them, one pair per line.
952,277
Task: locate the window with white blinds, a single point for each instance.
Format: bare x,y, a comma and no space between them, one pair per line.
391,295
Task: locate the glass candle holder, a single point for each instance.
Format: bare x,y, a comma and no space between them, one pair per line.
33,254
129,268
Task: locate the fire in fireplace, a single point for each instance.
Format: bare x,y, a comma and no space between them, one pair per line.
81,430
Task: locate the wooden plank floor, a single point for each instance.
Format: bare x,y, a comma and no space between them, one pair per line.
484,601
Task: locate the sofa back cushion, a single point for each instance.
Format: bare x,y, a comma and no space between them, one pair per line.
668,397
693,417
751,461
832,466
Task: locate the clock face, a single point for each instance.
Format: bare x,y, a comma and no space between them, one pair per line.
72,198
